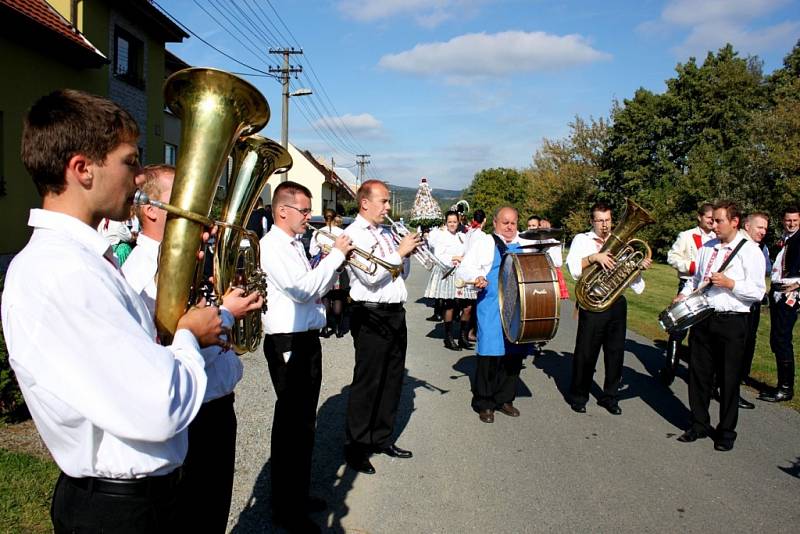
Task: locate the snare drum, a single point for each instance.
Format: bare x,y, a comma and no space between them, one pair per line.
683,314
529,297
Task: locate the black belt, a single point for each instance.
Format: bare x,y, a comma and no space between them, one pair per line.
386,306
138,487
731,313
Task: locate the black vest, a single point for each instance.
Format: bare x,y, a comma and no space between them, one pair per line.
791,256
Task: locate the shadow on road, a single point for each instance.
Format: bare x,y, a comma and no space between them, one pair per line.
466,367
331,479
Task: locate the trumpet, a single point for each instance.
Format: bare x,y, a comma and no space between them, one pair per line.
422,252
371,262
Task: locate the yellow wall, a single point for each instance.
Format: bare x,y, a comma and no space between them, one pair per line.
34,75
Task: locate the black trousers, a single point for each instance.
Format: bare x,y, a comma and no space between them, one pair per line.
297,383
205,496
495,381
380,339
753,319
782,319
717,345
598,330
78,510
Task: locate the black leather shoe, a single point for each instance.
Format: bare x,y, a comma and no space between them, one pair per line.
295,523
326,332
360,463
613,408
578,407
396,452
464,343
509,409
723,446
745,404
486,416
691,435
782,394
450,343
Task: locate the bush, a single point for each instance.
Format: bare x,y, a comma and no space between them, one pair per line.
12,405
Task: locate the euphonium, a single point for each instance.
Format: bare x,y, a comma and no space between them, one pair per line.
215,109
255,159
597,288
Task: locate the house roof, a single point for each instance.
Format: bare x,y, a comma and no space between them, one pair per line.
329,174
49,24
155,20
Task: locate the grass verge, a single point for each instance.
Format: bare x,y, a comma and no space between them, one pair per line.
26,485
661,286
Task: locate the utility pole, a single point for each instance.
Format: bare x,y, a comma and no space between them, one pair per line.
362,162
285,72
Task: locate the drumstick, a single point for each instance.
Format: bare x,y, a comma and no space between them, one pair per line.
460,282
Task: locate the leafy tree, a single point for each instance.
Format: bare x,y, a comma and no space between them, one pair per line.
492,188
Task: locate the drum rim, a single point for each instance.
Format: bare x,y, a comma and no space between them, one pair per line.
523,295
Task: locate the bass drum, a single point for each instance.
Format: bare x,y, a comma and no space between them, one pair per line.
529,297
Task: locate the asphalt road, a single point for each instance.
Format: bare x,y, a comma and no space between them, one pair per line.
548,470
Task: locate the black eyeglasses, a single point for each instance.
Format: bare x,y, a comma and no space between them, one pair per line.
305,211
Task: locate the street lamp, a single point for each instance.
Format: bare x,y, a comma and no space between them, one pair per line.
285,118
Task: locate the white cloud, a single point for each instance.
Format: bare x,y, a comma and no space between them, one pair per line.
363,124
713,23
476,55
427,13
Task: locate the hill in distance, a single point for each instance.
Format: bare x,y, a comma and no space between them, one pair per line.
404,198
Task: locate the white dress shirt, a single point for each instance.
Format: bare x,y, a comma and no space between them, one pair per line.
317,240
224,369
746,269
479,257
446,245
107,400
294,289
586,244
553,252
378,287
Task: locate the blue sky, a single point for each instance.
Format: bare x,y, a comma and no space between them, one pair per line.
445,88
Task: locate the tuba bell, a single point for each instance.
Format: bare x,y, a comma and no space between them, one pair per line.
215,109
236,255
597,289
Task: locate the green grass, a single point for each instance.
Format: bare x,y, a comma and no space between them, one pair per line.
661,286
26,485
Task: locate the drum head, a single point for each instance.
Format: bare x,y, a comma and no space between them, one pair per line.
508,292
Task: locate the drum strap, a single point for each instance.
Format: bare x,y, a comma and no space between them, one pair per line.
501,245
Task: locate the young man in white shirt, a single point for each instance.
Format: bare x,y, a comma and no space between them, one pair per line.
207,486
292,326
111,404
682,258
717,342
598,329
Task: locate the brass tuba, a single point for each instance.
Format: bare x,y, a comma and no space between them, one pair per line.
236,254
215,109
597,288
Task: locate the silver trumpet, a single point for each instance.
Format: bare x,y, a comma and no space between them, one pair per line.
371,262
422,252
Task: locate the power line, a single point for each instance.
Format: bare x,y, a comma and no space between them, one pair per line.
225,28
256,31
182,25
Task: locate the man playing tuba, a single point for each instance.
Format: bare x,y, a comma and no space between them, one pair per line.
597,329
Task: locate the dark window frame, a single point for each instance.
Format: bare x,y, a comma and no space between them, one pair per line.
135,73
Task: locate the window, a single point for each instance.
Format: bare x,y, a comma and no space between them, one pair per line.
170,154
128,58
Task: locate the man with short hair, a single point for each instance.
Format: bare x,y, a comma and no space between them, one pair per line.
533,222
378,327
681,257
111,404
292,326
598,329
755,228
784,294
207,486
499,362
733,267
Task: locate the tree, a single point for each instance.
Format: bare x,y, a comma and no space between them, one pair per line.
492,188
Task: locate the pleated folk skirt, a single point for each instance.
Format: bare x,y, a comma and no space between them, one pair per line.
446,289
